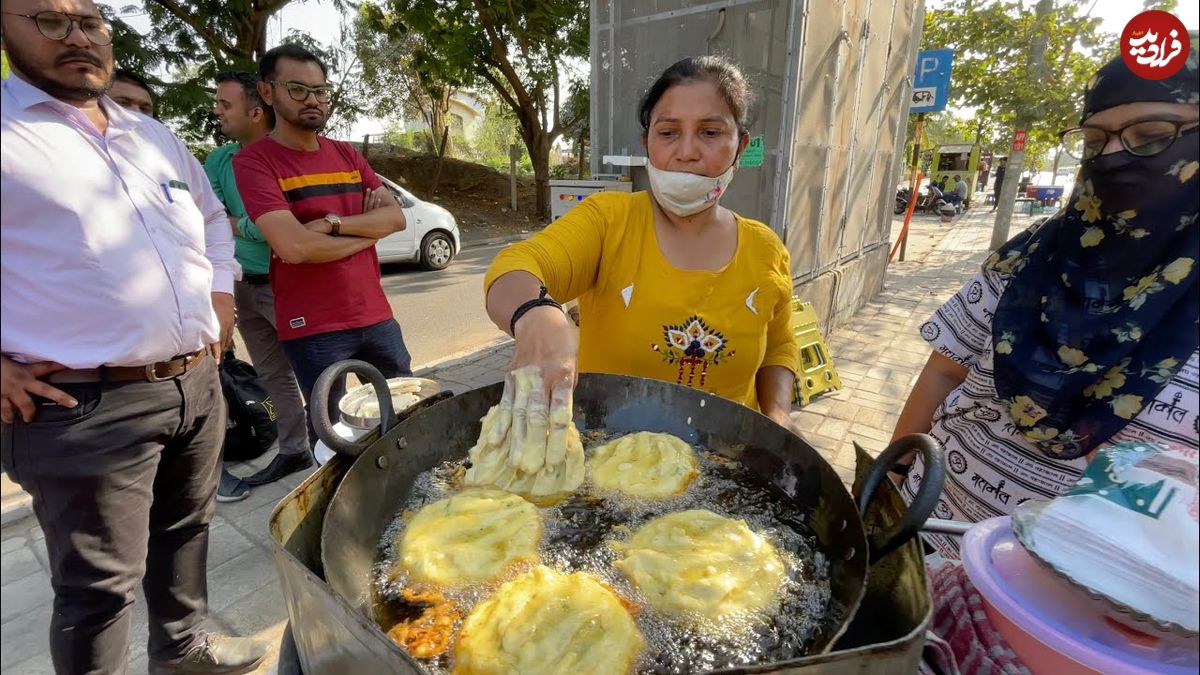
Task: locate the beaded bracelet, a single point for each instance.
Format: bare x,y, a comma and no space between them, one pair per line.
542,300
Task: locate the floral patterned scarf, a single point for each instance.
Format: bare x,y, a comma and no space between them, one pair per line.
1103,306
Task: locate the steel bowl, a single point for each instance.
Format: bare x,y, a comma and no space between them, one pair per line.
351,404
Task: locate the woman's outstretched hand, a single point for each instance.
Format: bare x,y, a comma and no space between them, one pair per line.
536,408
545,338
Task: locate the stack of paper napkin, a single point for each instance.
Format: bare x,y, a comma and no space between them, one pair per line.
1126,530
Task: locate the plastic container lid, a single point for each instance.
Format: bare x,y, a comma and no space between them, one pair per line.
1060,617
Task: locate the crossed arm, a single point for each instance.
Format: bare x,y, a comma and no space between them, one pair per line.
295,242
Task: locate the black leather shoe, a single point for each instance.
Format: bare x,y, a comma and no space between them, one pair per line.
280,466
215,655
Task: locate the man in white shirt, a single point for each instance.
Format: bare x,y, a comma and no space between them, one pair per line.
118,274
961,187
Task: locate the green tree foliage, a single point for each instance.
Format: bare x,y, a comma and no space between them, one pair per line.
992,42
498,131
396,62
193,40
516,46
1163,5
578,109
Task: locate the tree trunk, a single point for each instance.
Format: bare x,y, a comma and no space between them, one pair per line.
539,154
437,172
579,148
1016,160
258,40
1006,200
437,125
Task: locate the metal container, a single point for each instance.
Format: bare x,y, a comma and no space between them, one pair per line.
350,405
332,637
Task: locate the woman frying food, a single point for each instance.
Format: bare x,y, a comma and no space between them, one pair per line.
671,285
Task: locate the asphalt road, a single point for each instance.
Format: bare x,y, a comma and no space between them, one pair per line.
442,313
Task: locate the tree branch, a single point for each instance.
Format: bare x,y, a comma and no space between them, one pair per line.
554,71
500,60
522,114
271,6
522,39
501,90
214,41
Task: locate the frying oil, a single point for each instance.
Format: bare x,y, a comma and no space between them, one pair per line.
575,538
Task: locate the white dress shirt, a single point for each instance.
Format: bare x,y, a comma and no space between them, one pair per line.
110,244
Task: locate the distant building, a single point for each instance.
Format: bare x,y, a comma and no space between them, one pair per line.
466,117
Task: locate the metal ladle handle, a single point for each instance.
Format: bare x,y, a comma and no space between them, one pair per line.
318,404
954,528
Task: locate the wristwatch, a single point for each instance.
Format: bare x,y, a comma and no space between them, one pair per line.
335,224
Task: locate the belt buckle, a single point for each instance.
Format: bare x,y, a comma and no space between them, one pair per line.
186,365
152,373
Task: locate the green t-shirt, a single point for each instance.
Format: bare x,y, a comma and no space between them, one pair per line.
251,248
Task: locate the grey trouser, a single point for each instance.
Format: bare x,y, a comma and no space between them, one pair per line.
256,322
123,486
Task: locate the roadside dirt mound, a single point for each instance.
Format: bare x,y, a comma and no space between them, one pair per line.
477,195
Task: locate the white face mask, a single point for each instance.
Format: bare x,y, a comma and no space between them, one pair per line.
686,194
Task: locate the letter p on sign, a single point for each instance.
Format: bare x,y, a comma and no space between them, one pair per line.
929,64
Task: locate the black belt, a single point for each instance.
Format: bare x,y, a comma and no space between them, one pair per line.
257,279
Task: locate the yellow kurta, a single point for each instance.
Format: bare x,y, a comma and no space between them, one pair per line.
643,316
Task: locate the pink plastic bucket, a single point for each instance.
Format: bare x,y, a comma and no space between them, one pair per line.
1051,625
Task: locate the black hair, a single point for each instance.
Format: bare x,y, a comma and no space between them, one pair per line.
269,61
730,82
130,77
249,83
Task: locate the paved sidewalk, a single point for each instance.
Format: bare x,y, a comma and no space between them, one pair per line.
878,355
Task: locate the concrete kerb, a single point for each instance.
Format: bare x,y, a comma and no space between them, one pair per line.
463,358
494,241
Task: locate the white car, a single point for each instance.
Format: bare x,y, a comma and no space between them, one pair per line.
430,238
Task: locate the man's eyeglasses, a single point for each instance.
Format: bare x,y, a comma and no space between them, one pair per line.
299,92
57,26
1145,138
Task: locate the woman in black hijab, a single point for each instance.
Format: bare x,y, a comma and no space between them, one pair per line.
1083,332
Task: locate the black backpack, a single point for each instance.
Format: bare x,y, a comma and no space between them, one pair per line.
250,430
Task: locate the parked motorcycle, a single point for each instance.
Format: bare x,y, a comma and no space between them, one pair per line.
933,201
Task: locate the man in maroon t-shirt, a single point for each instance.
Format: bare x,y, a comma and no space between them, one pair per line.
321,208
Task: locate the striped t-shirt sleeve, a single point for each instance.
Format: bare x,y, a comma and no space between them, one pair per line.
961,329
257,185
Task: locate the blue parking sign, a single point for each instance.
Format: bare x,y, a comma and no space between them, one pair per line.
931,81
